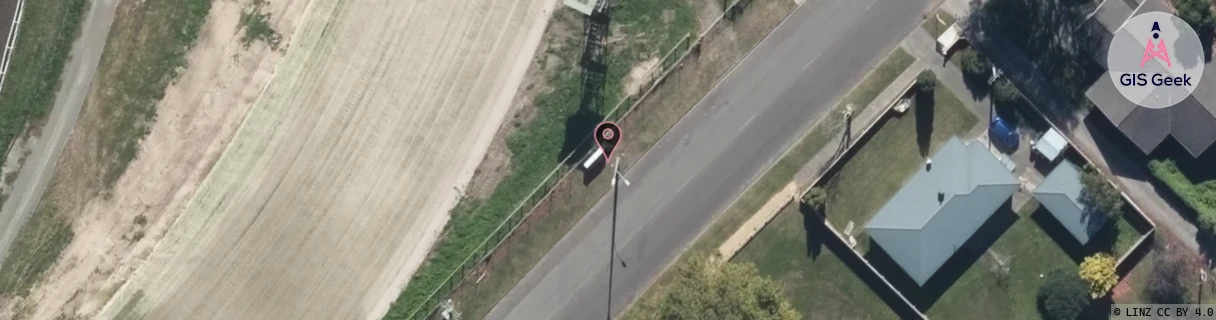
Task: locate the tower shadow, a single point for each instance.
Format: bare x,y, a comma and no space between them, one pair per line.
591,108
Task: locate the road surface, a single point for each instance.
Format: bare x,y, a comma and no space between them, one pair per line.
740,128
74,86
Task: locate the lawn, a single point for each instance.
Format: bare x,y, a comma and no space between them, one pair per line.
819,283
981,290
934,26
888,158
781,173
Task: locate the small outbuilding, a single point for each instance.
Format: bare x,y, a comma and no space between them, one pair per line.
949,38
1060,194
1051,144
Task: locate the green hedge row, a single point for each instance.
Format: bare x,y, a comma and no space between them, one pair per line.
1201,197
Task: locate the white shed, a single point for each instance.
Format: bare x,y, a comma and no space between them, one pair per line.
1051,144
949,39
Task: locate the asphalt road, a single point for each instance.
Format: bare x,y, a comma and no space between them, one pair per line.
74,86
740,128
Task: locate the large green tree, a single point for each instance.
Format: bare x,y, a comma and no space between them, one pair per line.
1098,194
704,290
1197,13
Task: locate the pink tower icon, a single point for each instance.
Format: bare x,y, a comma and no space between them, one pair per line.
1157,51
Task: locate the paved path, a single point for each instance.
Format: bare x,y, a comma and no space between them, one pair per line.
740,128
74,85
1131,175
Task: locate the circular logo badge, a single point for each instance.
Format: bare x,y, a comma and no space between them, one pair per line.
1155,60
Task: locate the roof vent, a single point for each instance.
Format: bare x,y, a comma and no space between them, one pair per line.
928,164
941,196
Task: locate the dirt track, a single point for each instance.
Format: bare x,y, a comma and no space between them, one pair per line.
342,174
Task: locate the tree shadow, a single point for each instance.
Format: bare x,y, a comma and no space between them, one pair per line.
924,110
814,225
1190,56
924,296
581,124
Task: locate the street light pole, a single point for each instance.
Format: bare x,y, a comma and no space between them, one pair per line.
616,175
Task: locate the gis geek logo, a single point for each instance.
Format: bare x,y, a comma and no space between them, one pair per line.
1155,60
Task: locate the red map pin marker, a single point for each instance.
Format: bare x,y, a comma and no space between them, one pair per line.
607,136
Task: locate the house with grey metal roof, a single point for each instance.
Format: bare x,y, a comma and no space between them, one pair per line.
1060,193
943,204
1192,122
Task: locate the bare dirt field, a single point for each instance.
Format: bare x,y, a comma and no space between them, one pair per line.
197,118
343,172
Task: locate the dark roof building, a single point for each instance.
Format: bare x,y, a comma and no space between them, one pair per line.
941,207
1191,122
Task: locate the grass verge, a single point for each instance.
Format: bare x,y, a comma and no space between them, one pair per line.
779,175
145,51
43,45
934,26
649,28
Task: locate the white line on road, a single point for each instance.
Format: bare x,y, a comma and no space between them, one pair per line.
808,64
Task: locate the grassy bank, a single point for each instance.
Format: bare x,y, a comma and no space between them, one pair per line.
780,174
43,45
145,51
648,28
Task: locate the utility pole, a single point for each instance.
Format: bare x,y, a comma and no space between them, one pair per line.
616,175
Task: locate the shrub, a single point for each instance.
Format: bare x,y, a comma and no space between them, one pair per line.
974,64
926,81
1003,91
1099,195
1197,13
1062,296
815,198
1201,197
1098,271
1168,278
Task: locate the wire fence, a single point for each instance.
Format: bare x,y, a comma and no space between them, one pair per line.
516,218
686,47
9,44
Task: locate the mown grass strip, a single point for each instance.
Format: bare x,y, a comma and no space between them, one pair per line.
649,27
